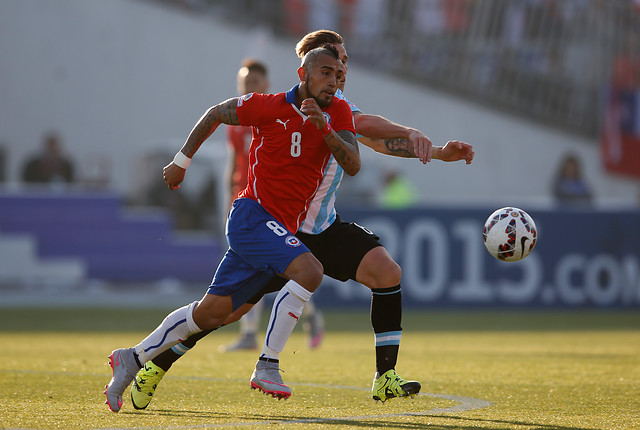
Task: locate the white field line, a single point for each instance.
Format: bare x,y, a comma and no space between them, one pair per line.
463,404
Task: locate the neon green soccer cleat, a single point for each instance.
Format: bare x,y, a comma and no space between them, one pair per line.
145,385
390,385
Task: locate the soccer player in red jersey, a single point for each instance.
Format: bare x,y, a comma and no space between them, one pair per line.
252,77
346,251
295,135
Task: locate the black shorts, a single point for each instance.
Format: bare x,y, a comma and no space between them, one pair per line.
340,249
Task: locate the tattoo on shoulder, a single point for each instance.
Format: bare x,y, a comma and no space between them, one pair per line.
399,147
226,112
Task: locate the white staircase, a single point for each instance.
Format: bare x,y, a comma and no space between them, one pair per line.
20,266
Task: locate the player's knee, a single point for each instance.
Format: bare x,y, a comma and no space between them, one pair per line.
207,317
231,319
306,270
206,321
384,274
238,313
396,274
391,274
313,274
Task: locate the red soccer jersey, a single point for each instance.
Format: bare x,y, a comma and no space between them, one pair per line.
288,154
239,138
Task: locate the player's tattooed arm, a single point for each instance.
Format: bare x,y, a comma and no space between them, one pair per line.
453,150
344,147
343,144
395,147
378,127
223,113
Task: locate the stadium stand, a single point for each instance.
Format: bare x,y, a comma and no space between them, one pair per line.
94,231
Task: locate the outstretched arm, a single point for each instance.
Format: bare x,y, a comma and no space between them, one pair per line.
378,127
223,113
453,150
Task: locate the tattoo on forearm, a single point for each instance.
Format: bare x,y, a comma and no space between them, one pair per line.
399,147
344,150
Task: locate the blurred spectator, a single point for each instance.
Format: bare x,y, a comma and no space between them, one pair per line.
252,77
621,137
569,186
398,192
194,206
205,207
50,166
176,202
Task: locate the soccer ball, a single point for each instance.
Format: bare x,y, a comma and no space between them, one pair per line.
510,234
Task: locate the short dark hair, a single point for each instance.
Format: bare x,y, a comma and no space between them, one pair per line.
310,57
333,51
317,39
254,66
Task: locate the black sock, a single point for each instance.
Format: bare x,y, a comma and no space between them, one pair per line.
386,320
137,359
168,357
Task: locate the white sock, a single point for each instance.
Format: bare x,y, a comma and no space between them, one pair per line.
287,308
309,310
251,320
175,328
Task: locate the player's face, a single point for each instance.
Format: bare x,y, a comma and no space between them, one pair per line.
323,79
342,53
251,82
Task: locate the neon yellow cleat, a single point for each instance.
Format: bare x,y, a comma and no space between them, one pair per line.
390,385
145,385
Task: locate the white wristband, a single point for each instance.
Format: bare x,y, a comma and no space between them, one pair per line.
181,160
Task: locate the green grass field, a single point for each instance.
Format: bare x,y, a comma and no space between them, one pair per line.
487,370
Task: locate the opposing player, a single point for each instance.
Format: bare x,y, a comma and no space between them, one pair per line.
253,77
296,135
346,251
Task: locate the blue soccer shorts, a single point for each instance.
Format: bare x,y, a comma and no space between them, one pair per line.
259,247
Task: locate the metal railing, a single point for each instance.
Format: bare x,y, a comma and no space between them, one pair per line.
548,60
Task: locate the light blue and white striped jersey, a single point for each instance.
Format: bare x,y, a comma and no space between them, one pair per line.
322,212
